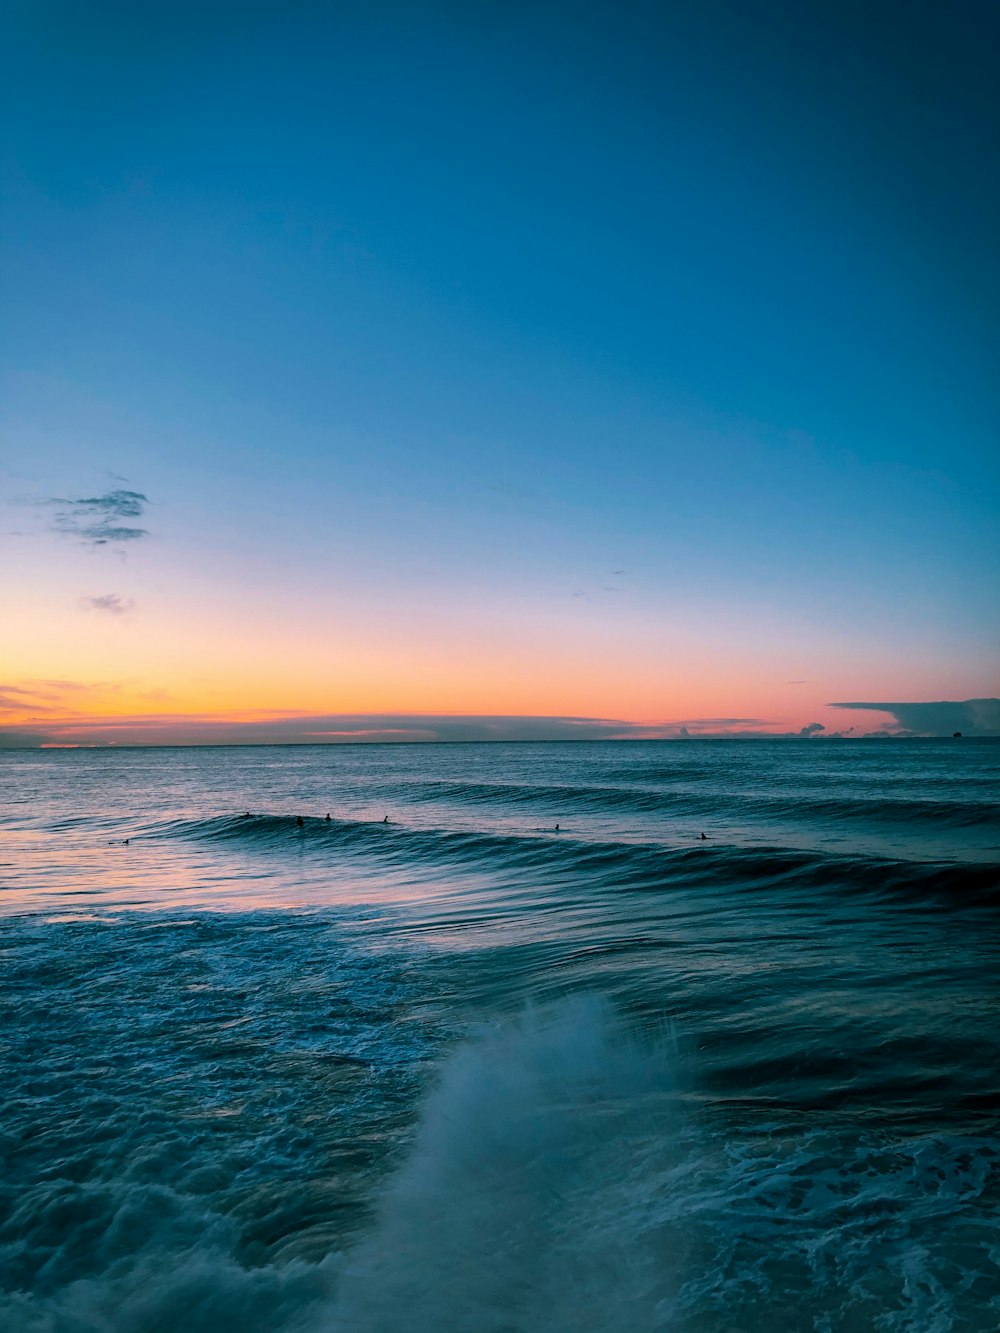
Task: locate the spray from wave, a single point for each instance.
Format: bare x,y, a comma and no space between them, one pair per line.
532,1191
559,1178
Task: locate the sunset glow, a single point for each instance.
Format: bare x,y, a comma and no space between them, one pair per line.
466,411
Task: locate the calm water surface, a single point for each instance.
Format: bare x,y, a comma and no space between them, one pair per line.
463,1071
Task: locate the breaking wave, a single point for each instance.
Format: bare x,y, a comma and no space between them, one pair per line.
560,1175
463,1072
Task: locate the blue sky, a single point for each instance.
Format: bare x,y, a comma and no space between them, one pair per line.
449,312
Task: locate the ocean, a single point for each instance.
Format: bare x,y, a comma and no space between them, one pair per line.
465,1071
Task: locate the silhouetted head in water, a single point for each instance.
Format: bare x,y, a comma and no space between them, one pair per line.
327,818
299,821
557,828
386,820
702,838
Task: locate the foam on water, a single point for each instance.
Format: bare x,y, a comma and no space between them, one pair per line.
460,1072
562,1179
530,1190
561,1175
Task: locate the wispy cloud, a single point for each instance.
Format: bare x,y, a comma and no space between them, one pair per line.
98,520
110,603
27,699
593,591
972,717
13,700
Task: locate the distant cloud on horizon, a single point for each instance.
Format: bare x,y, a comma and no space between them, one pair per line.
53,712
47,724
294,729
972,717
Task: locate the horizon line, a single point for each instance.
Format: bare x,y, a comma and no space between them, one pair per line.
558,740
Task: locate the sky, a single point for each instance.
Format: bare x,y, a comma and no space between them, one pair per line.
439,371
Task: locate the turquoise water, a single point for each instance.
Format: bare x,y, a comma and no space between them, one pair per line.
463,1071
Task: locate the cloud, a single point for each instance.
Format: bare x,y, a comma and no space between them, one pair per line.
299,729
61,699
446,727
18,699
45,712
972,717
19,689
98,519
21,740
14,701
110,603
68,723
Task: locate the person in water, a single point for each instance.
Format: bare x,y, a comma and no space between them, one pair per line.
327,820
557,828
702,838
386,820
299,821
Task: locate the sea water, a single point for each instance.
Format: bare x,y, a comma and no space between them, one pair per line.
465,1071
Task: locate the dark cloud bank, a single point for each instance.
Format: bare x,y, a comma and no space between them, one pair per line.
298,730
974,717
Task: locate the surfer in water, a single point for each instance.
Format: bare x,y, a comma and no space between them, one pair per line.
327,820
386,820
702,838
299,822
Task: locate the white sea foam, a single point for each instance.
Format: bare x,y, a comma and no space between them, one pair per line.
559,1178
532,1191
558,1182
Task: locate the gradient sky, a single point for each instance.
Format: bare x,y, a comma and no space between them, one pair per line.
631,366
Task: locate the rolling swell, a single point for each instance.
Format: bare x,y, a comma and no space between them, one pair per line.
615,865
681,799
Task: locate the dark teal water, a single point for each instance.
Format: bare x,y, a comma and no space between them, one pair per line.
463,1071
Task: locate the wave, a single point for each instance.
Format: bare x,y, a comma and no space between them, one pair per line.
532,1195
680,799
636,866
560,1176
